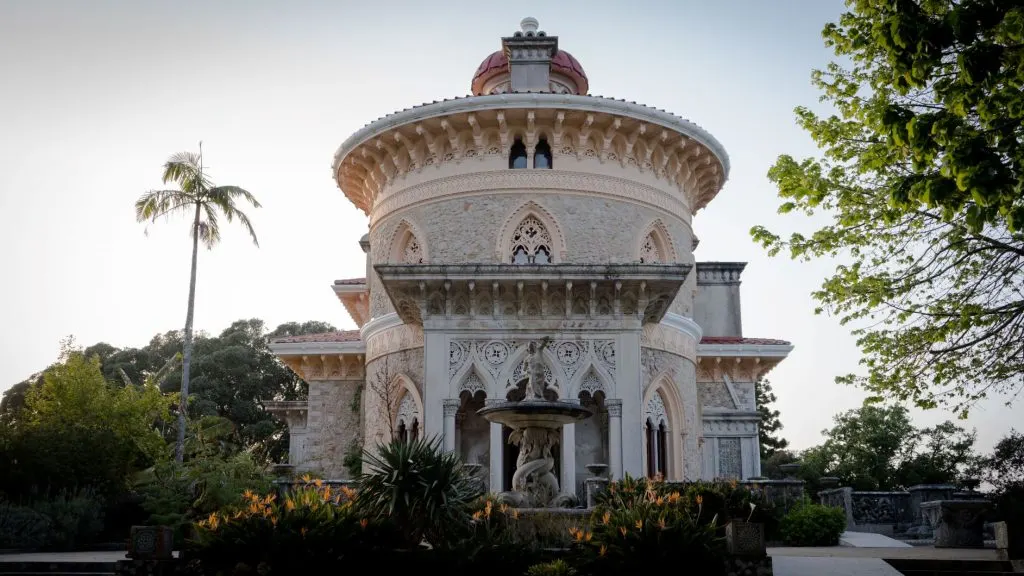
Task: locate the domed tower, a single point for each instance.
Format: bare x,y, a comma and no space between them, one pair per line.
532,211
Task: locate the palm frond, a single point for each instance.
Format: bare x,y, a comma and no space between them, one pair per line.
182,167
224,198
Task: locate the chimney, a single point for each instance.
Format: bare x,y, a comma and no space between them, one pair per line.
529,54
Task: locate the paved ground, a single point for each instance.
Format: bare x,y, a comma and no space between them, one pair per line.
800,566
869,540
913,552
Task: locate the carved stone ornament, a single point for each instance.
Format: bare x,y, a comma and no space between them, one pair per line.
654,412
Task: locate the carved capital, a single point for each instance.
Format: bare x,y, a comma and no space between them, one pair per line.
451,407
614,407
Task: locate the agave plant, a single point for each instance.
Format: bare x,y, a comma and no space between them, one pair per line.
423,490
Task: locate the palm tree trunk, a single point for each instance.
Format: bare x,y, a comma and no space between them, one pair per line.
186,360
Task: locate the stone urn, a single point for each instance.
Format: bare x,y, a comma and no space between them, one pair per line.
744,538
598,470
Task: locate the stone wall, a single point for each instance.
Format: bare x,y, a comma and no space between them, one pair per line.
334,424
591,230
887,513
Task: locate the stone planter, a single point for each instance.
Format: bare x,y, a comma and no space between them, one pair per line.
745,538
151,543
957,523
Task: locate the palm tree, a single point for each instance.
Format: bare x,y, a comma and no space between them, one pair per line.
206,203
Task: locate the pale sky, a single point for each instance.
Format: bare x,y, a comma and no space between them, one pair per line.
95,95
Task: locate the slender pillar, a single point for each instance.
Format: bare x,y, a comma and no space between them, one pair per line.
436,385
629,384
497,458
451,406
614,438
497,450
569,459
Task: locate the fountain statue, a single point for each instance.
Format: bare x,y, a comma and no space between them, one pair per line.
536,425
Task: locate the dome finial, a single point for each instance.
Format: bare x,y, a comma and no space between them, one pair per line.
529,24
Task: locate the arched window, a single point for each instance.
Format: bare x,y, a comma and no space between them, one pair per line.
542,154
415,432
531,243
517,156
656,432
402,435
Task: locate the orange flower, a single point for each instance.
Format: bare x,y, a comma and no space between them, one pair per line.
487,508
273,521
307,478
289,504
515,514
303,531
603,550
661,523
587,536
477,515
622,530
639,524
318,482
363,523
606,518
700,500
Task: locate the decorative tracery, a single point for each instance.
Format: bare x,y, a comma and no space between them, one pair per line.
412,254
531,243
649,252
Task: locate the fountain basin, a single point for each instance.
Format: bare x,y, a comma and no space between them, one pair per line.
550,414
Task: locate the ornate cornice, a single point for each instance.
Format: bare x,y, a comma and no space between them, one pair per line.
393,339
727,273
314,367
645,139
356,299
537,181
551,295
379,324
293,412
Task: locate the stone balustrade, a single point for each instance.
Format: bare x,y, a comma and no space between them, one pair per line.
957,523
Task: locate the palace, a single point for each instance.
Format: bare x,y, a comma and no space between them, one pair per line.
532,211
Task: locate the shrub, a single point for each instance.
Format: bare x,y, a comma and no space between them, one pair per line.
420,488
638,529
312,528
813,525
22,528
499,540
66,521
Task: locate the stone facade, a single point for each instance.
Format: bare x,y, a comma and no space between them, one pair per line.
505,218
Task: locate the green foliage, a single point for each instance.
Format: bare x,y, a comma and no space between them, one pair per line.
813,525
77,430
213,476
1004,470
555,568
768,428
353,459
638,529
422,489
878,448
65,521
922,188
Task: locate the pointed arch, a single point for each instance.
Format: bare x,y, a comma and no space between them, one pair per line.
472,378
406,245
512,366
408,415
655,244
584,380
663,413
540,227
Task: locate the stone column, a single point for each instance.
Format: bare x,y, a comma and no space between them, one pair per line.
497,450
435,383
614,438
629,386
451,407
568,446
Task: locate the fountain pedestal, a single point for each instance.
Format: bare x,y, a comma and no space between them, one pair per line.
536,429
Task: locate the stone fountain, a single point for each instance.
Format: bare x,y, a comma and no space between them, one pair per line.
536,425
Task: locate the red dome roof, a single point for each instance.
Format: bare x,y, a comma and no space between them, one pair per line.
563,63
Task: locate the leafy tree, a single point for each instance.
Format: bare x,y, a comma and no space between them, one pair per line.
196,194
770,425
922,180
76,430
878,448
1004,468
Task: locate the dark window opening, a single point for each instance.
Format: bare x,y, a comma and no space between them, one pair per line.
517,156
542,155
